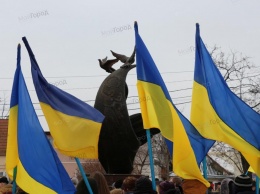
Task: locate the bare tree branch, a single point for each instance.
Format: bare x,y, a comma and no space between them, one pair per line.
242,78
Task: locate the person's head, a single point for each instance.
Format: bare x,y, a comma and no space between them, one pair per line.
101,182
193,186
75,181
143,185
165,186
226,186
243,183
117,191
211,187
3,181
176,180
82,188
217,186
129,183
173,191
117,184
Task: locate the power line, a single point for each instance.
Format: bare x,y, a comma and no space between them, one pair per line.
88,88
129,97
100,75
130,85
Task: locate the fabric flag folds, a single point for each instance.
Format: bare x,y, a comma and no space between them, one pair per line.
158,111
74,125
29,153
218,113
250,169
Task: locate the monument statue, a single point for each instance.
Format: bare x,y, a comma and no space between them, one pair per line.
121,135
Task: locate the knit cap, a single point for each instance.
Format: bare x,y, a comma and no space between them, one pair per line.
143,185
165,186
243,181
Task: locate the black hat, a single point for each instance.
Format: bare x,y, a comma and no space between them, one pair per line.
143,185
4,180
118,183
243,181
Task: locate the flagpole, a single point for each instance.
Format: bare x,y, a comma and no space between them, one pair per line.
14,180
257,184
205,173
84,176
148,135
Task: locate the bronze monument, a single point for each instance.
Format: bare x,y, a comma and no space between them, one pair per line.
121,135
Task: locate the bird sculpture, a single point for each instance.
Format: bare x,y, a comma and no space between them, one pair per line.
121,135
107,64
124,59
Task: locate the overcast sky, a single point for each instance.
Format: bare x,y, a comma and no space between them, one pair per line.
68,38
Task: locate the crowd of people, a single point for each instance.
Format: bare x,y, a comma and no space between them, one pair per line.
129,185
242,184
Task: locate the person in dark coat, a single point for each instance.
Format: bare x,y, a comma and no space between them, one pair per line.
243,185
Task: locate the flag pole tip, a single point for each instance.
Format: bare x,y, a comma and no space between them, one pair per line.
136,25
197,27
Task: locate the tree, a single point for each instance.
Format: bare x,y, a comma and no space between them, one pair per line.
226,156
242,77
141,159
161,157
5,107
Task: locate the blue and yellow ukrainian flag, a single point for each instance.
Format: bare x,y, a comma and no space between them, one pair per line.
218,113
158,111
74,125
38,169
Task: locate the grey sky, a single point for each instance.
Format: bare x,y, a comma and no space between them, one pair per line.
67,38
